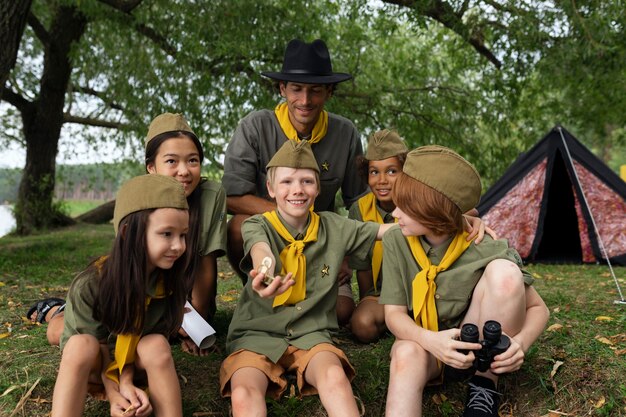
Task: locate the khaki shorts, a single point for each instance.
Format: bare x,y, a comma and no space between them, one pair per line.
345,290
293,359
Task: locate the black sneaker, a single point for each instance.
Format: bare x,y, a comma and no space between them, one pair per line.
482,398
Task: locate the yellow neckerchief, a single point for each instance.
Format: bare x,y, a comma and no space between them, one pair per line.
319,130
424,287
126,344
369,213
292,258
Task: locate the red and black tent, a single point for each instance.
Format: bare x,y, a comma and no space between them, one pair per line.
559,203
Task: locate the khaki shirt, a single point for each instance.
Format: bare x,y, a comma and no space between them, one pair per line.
212,219
355,213
455,285
258,327
259,136
78,314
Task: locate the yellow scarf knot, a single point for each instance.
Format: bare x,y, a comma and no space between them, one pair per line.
423,286
292,257
319,130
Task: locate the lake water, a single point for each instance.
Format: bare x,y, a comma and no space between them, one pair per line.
7,222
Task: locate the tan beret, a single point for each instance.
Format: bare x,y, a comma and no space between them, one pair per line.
447,172
384,144
294,155
167,122
148,192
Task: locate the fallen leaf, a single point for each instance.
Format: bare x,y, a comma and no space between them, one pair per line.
620,352
600,402
604,318
556,310
555,368
555,327
604,340
227,298
2,284
5,335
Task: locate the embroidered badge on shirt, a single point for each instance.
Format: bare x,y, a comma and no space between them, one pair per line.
325,270
325,166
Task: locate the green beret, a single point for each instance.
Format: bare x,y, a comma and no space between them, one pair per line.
167,122
384,144
294,155
148,192
446,171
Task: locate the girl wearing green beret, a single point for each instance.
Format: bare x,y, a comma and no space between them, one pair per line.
173,149
123,308
436,280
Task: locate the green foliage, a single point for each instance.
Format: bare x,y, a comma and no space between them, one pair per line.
418,68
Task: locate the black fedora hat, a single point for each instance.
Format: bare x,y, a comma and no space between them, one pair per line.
307,63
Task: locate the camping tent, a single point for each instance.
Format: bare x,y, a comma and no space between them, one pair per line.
555,200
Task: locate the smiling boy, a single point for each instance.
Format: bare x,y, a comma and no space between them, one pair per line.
285,327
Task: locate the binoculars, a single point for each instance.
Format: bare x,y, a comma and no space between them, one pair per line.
493,343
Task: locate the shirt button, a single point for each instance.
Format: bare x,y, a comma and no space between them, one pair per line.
298,308
437,296
290,332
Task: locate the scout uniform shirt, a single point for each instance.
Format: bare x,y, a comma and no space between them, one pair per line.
212,237
78,315
257,326
355,213
259,136
454,285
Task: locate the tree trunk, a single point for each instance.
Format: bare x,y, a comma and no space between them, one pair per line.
101,214
43,119
12,22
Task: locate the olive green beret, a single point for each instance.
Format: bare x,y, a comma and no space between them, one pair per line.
447,172
384,144
147,192
294,155
167,122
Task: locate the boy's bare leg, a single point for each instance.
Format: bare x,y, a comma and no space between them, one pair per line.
410,369
499,295
155,357
248,387
326,374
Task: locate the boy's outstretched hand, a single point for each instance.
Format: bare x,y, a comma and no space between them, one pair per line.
278,286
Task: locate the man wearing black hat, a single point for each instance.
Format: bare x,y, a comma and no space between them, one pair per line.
306,82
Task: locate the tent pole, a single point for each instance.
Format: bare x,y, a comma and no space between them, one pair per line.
593,222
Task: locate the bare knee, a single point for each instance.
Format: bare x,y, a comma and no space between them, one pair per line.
503,279
334,378
363,325
154,352
406,354
80,352
242,397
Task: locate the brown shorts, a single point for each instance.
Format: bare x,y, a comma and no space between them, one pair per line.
293,359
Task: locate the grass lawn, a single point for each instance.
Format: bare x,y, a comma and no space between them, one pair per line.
577,367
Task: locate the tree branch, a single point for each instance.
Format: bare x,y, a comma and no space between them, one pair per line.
14,99
68,118
443,13
40,31
99,94
121,5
